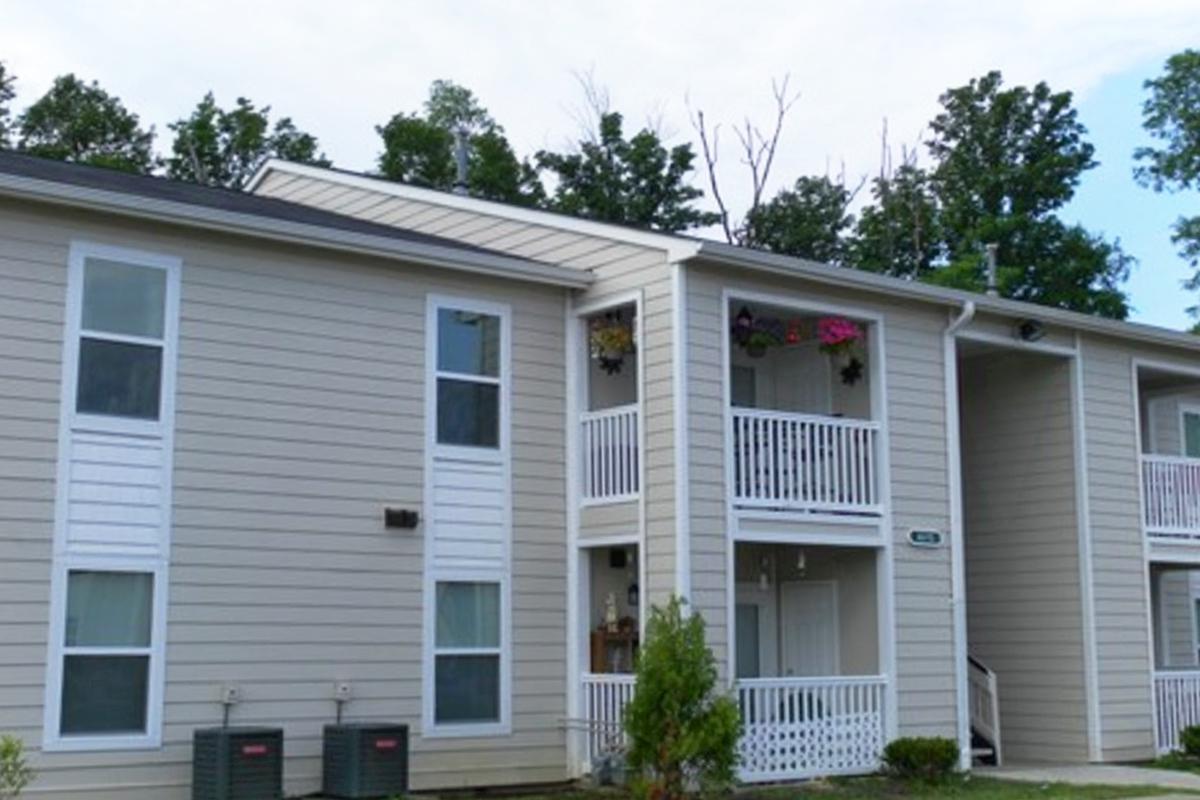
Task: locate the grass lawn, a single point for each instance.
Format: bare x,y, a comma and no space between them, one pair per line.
884,789
1177,761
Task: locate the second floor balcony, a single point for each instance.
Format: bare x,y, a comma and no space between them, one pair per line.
803,439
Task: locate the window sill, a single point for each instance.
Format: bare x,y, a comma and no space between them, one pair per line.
83,744
466,730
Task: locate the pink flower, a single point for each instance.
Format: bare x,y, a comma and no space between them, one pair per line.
838,331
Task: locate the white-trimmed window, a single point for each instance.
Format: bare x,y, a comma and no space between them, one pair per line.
1189,425
467,618
107,653
469,384
467,653
122,339
105,662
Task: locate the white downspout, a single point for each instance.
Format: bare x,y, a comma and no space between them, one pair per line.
958,604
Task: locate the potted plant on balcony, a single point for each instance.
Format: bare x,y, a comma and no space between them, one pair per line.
610,339
756,335
842,339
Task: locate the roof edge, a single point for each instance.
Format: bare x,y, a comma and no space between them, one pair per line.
841,276
678,248
259,227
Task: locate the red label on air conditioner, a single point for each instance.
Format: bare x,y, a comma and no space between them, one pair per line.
254,749
386,744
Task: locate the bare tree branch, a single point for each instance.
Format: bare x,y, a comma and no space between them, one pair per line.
758,152
709,151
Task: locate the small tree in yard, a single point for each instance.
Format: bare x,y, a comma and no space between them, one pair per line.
15,773
682,733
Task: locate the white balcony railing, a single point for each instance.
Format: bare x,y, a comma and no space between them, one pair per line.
806,727
1171,486
609,443
1176,706
604,701
792,728
805,462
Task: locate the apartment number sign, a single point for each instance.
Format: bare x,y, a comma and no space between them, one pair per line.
923,537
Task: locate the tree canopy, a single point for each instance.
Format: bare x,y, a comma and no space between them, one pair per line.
224,148
419,148
81,122
632,181
1171,115
810,220
7,93
1005,160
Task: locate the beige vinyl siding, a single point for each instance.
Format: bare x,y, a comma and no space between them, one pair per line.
1024,605
32,297
609,520
618,268
1118,559
920,497
300,416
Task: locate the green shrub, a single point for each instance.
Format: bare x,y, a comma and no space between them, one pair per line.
931,758
682,734
1189,741
15,773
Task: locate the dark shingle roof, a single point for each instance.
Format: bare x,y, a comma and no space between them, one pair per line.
228,200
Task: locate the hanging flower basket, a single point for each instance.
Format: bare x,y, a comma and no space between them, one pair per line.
842,339
757,335
610,340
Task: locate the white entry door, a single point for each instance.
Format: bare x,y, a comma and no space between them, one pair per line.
808,623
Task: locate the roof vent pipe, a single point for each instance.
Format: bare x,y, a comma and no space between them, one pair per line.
460,160
992,291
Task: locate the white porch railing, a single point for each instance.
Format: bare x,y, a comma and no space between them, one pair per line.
984,701
609,443
809,727
1176,706
604,701
1171,485
804,462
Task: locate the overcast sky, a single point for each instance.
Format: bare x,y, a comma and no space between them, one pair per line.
340,68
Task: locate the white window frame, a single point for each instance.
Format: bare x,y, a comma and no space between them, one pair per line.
112,559
75,332
501,455
471,452
1184,410
55,740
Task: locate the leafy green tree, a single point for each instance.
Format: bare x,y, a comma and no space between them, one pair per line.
1171,115
899,233
7,93
1005,161
809,220
80,122
224,148
681,731
419,148
636,181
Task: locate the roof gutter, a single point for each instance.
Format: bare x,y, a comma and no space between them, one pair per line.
728,255
148,208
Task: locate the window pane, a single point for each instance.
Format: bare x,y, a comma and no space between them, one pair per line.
746,620
109,609
118,379
468,413
467,689
468,615
104,694
1191,435
468,342
122,298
